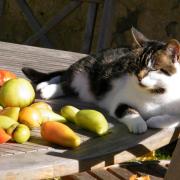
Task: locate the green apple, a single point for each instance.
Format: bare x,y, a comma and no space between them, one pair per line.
21,133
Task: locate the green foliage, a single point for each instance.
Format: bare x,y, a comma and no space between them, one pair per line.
166,151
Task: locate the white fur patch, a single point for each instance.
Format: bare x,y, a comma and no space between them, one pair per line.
51,91
127,90
81,85
135,123
41,85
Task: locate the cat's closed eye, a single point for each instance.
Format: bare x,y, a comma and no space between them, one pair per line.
164,71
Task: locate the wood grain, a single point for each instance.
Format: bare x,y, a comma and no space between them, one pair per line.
79,176
13,57
38,159
174,168
102,174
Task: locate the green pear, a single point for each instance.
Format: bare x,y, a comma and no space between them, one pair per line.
6,122
12,112
92,120
69,112
49,115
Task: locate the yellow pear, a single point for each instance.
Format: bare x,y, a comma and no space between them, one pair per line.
92,120
30,116
12,112
69,112
6,122
59,133
49,115
41,105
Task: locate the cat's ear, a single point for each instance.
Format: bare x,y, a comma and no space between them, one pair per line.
138,37
173,48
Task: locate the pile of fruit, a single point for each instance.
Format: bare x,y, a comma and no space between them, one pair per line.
19,114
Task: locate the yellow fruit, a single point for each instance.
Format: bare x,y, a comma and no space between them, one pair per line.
92,120
1,108
49,115
17,92
30,116
12,112
59,133
21,133
6,122
69,112
41,105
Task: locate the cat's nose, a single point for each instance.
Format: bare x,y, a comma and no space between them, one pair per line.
142,74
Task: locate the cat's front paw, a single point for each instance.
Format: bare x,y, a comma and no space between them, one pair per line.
41,85
138,126
48,92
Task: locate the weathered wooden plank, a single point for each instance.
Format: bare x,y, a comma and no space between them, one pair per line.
152,169
36,162
59,17
103,174
2,153
116,147
79,176
105,32
2,2
30,50
8,150
122,173
32,21
174,168
80,159
18,147
36,146
13,57
89,30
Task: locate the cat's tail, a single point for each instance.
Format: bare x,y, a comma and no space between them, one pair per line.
38,77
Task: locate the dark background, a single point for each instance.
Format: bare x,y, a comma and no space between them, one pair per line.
157,19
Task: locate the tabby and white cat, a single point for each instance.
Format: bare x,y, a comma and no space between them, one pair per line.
140,87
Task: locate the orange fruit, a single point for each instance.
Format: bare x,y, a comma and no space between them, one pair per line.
41,105
4,137
58,133
31,117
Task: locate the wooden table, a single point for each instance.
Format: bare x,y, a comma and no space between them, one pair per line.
38,159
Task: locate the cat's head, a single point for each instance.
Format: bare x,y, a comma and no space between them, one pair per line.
157,58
